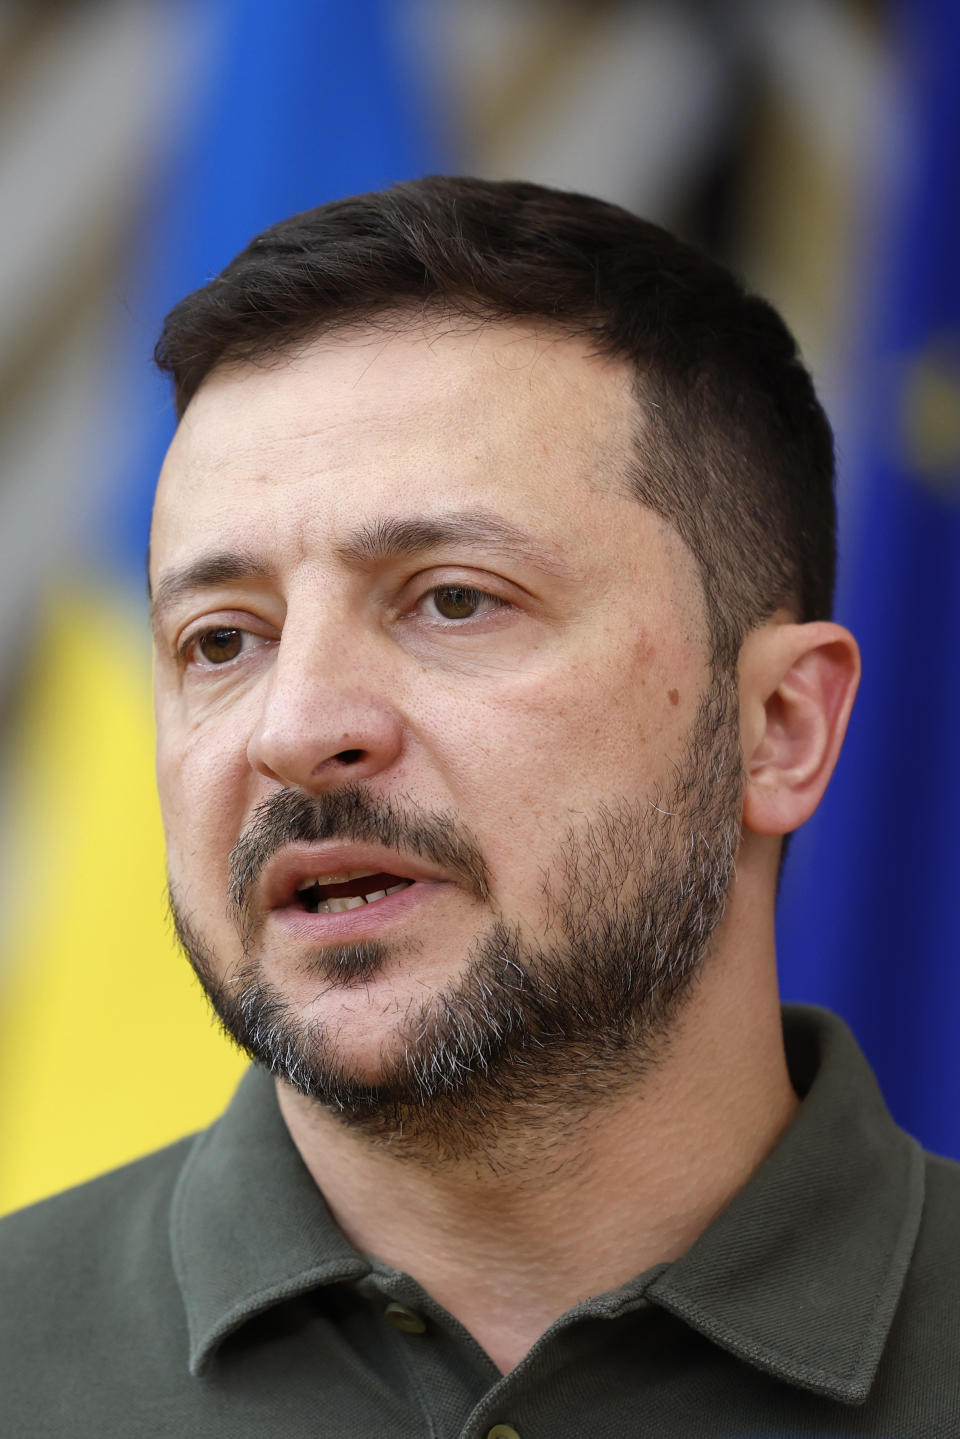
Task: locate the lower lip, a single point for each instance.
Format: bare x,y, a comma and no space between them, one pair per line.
365,922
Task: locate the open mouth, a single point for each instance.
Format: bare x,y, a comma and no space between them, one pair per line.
333,893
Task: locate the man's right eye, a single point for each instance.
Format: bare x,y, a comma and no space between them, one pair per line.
219,646
210,648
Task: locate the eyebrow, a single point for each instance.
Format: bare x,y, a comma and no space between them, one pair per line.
398,537
206,573
384,539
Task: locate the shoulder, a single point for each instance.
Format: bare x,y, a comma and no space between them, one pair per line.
98,1212
66,1262
922,1355
936,1260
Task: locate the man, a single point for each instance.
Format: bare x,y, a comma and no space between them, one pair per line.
491,570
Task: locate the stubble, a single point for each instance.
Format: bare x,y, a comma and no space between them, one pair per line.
529,1036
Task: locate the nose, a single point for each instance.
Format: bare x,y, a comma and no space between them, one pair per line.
326,719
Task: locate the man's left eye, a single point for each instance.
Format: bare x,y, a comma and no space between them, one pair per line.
459,602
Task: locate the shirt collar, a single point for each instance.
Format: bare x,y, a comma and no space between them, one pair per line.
799,1275
248,1226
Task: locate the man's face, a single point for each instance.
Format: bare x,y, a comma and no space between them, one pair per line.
412,626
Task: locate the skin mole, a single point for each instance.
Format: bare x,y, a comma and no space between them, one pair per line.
673,696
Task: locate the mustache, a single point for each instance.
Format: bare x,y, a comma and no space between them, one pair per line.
352,815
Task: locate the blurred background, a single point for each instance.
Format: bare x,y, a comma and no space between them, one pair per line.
814,145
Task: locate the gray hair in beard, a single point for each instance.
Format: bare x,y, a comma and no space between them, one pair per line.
527,1035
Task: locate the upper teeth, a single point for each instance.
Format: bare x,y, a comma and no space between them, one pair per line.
353,901
338,903
334,878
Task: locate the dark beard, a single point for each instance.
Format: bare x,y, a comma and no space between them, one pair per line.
527,1037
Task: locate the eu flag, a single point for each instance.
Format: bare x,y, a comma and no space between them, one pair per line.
870,911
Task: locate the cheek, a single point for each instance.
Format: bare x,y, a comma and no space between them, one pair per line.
599,727
202,776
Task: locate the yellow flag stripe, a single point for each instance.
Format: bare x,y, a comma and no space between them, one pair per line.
107,1047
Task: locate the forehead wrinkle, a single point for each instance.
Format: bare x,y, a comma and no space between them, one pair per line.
400,536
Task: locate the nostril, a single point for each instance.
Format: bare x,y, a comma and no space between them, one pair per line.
349,756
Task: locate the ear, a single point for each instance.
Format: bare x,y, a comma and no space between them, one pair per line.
797,687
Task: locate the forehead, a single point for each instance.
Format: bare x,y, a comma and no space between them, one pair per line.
505,418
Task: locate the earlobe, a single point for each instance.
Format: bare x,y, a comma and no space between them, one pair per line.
798,684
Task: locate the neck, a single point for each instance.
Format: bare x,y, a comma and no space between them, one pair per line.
565,1212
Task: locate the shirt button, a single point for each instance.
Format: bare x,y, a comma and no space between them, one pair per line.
502,1431
406,1319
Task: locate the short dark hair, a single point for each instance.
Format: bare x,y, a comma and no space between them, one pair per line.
733,447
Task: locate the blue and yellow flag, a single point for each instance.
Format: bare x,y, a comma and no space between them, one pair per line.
106,1045
870,913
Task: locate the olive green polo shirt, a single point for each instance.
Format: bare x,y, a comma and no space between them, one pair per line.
206,1292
